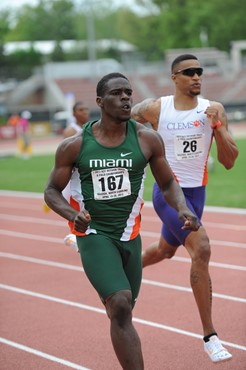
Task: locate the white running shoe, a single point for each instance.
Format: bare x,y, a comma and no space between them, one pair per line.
70,241
215,350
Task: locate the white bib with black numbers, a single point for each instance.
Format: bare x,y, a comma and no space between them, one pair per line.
111,183
189,146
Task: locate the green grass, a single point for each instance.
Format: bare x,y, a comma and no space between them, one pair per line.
228,187
25,175
225,188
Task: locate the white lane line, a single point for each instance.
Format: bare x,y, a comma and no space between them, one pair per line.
149,234
21,194
42,354
27,206
33,220
214,264
219,225
179,259
212,209
41,261
236,211
144,281
225,243
47,221
189,290
215,225
43,238
97,310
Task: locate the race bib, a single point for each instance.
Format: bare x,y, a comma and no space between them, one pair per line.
189,146
111,183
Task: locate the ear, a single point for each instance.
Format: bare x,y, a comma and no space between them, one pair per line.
173,76
99,101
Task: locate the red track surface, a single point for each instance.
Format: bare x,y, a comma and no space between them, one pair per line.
51,318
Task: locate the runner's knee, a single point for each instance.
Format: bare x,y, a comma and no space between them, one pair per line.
119,307
202,251
198,246
166,250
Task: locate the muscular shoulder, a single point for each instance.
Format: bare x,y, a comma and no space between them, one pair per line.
147,111
217,105
69,148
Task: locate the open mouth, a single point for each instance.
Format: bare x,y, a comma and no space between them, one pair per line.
126,107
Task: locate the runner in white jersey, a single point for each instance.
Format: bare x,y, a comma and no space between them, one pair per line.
72,192
187,136
188,125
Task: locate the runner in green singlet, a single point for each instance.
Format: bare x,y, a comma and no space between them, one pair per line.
111,156
116,183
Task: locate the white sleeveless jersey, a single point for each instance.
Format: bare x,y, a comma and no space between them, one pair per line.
188,137
72,192
75,126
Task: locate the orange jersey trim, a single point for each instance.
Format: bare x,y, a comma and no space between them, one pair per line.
76,206
137,224
205,172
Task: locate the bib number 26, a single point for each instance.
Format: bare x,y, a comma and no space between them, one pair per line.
190,146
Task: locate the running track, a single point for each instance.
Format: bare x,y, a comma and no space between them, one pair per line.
52,319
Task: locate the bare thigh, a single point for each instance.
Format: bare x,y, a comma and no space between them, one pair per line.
165,249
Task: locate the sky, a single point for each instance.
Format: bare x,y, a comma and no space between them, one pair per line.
18,3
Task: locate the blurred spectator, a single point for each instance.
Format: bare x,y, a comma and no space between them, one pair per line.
23,138
14,120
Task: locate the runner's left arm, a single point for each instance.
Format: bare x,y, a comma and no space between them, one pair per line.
227,150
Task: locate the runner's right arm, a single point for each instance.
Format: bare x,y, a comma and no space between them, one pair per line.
147,111
60,175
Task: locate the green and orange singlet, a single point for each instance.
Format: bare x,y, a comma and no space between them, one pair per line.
112,184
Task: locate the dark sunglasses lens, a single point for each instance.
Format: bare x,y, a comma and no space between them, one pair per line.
192,71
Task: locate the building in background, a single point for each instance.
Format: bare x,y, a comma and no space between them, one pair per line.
48,94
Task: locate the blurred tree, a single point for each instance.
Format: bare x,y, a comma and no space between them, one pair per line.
48,20
181,22
21,63
169,24
4,29
76,54
57,54
4,24
224,21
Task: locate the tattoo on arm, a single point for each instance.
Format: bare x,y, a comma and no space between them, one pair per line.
210,290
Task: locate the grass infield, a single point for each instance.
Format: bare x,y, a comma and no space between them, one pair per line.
225,188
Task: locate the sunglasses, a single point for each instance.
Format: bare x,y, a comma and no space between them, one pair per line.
190,71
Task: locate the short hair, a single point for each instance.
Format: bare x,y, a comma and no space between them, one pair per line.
76,105
101,86
181,58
